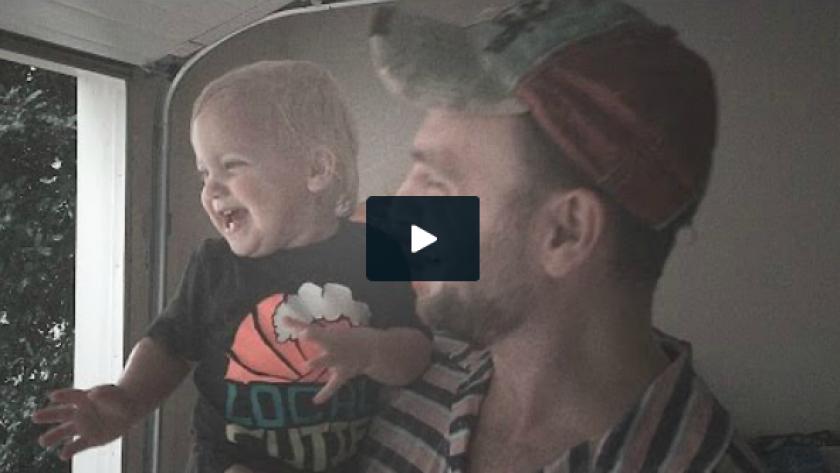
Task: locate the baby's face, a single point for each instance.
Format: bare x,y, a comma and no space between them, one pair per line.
253,193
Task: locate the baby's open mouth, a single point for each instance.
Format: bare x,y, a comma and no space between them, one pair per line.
232,219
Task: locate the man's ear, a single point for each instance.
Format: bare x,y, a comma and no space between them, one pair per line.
570,225
321,169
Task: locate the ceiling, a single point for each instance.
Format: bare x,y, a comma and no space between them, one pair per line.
134,31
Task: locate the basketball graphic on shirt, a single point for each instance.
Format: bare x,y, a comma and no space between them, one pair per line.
263,350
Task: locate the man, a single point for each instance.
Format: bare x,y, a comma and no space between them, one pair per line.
587,131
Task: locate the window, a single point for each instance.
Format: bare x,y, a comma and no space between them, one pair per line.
100,238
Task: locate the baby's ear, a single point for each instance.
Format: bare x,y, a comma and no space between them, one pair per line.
321,169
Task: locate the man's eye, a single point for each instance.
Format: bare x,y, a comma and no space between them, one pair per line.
202,174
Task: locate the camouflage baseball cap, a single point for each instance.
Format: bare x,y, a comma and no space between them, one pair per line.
622,98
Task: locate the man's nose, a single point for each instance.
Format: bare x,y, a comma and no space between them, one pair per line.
405,189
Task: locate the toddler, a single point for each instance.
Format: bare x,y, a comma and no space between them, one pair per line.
288,340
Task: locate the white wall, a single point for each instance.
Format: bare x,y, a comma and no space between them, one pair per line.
757,291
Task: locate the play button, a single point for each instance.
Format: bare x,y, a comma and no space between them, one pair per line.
429,238
420,239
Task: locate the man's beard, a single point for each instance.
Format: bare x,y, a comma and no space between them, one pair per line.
497,304
478,318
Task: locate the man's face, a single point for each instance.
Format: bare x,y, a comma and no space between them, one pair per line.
458,154
252,189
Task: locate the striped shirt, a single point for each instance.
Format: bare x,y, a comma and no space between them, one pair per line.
676,426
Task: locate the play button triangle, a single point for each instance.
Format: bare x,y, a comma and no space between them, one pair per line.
420,239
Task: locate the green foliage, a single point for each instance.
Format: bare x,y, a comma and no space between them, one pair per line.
37,239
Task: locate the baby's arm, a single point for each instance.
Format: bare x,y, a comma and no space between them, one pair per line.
96,416
398,355
394,356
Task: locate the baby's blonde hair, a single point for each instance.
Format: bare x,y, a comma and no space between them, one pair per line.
309,110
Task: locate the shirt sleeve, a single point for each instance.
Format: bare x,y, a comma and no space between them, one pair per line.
179,328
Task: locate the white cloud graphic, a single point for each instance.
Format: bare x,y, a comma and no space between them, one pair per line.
312,302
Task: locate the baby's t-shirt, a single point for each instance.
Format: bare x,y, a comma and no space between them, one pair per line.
255,394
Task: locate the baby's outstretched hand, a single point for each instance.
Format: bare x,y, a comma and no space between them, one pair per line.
344,353
85,418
